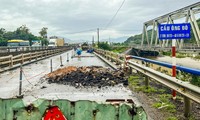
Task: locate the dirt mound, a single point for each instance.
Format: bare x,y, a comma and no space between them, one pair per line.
93,76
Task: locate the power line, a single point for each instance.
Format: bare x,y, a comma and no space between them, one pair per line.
115,14
122,29
83,31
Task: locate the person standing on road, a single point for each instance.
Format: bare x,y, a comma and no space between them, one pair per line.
79,51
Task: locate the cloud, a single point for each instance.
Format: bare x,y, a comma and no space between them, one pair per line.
67,16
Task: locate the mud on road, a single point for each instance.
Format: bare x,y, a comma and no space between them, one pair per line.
93,76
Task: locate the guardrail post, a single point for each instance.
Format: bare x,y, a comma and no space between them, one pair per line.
22,58
30,57
67,57
11,61
187,108
9,49
61,61
51,67
110,56
125,63
147,78
146,81
20,81
130,70
46,53
72,54
106,55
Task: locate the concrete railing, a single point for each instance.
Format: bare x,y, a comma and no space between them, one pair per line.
9,62
28,48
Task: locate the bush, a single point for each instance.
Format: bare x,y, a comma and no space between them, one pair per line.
195,80
104,46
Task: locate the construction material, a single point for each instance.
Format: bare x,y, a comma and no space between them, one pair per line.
93,76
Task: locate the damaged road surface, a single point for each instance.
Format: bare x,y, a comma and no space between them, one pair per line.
92,76
94,83
86,78
81,93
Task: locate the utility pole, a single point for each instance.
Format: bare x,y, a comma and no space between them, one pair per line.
98,36
109,40
92,41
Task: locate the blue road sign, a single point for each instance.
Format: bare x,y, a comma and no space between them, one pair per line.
174,31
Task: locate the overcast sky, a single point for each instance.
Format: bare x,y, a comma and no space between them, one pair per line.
64,17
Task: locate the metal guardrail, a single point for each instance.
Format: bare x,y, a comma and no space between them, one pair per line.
168,65
185,88
9,62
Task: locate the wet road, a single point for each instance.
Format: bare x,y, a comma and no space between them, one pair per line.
32,73
34,86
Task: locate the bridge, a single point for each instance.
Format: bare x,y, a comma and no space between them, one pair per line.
188,13
23,72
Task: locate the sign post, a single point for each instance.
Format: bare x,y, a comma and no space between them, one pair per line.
173,32
173,64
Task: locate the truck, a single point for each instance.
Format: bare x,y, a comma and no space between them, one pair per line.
56,42
85,46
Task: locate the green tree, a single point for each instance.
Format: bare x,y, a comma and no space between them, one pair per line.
3,41
104,45
2,31
43,34
22,32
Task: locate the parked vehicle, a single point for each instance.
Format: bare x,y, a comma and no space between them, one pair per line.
16,43
85,46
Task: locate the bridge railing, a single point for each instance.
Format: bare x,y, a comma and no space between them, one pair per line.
189,91
27,48
168,65
9,62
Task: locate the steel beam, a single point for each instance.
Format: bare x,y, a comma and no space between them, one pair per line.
182,40
172,22
180,13
194,31
195,24
143,36
156,42
167,42
147,38
188,12
152,34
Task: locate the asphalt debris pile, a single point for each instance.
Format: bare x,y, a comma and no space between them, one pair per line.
93,76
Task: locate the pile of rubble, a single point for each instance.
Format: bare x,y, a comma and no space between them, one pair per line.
94,76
